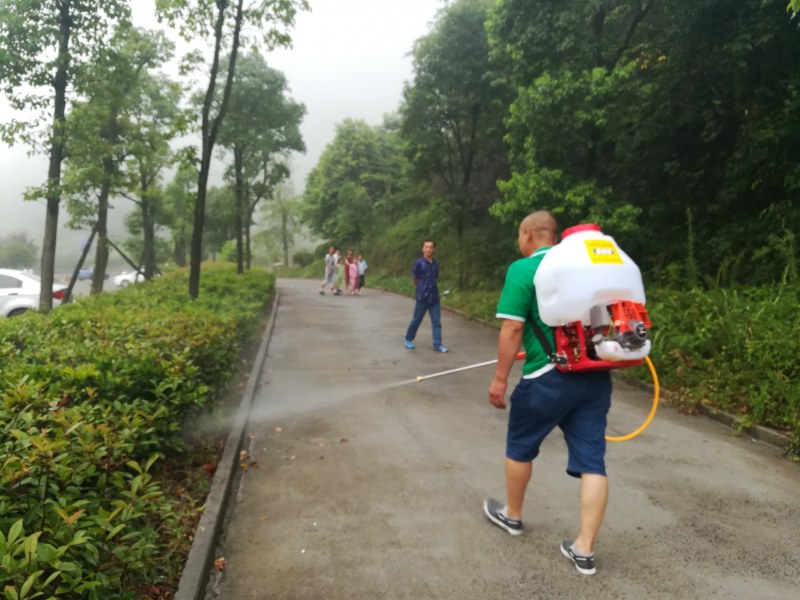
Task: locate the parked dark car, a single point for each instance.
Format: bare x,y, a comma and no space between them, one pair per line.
87,274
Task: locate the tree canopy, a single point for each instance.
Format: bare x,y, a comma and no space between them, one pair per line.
42,45
672,124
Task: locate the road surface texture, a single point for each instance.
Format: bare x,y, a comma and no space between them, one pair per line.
365,489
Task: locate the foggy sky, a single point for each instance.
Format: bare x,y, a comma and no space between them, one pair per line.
349,59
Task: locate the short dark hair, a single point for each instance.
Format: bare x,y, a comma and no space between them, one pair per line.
426,240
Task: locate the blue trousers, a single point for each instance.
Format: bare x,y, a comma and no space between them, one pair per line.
434,310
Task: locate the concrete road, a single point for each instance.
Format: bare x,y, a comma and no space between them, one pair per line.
366,489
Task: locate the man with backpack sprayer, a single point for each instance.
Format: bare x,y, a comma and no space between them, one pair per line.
544,398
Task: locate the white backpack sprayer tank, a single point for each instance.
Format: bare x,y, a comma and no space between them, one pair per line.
591,293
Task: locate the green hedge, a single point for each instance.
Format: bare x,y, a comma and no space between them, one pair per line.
733,349
91,397
736,350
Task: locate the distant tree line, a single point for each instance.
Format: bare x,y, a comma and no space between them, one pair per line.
671,123
17,251
112,123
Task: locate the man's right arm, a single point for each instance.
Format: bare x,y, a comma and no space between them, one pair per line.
508,344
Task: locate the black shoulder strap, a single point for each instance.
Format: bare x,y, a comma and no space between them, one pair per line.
545,343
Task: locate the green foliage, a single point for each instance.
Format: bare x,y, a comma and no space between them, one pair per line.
632,113
732,349
92,398
303,258
221,216
178,208
42,46
30,37
549,125
281,222
353,187
228,252
270,18
260,131
452,117
17,251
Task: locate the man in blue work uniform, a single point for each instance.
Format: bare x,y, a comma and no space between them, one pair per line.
425,273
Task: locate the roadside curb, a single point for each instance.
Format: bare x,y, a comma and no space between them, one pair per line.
196,571
757,432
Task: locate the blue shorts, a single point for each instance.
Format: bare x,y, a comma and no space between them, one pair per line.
578,403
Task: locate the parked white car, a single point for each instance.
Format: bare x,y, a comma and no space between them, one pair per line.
124,279
19,292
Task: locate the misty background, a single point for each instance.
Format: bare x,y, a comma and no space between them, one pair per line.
349,59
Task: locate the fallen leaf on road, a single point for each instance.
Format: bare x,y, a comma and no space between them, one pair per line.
343,441
279,429
243,455
263,518
249,436
219,564
152,591
291,457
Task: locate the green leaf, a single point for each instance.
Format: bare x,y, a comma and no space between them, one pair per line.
26,587
115,531
51,578
14,532
30,545
68,567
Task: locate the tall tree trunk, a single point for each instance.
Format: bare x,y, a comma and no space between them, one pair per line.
56,158
149,231
460,247
247,244
210,130
147,264
285,235
179,252
111,136
79,266
101,252
248,221
238,170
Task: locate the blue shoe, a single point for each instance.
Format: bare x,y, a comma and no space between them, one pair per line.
441,348
409,345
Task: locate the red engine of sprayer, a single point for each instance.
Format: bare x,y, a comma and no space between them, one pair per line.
604,344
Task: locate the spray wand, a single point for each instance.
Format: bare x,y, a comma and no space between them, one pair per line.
521,355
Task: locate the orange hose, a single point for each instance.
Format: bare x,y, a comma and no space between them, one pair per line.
643,426
653,408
